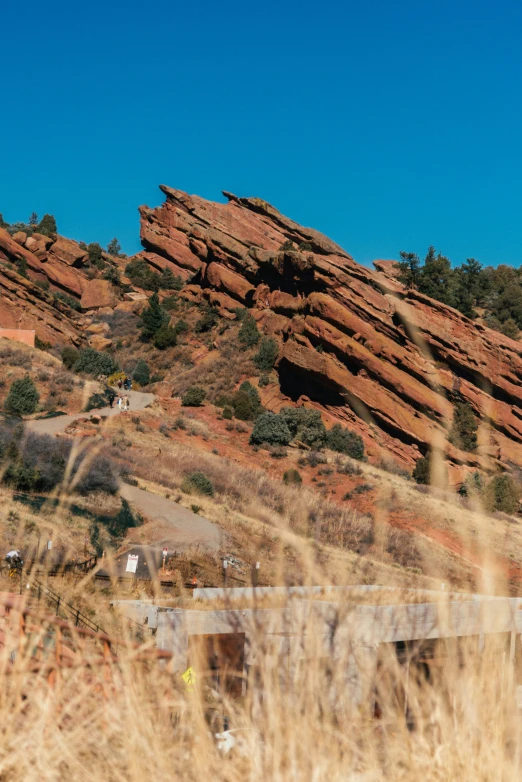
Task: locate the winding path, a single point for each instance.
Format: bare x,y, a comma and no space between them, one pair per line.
181,528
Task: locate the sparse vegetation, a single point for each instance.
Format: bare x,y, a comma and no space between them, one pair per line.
34,462
463,433
502,494
64,298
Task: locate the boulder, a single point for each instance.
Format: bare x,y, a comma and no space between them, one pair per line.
99,343
98,328
38,243
20,237
15,252
97,294
68,252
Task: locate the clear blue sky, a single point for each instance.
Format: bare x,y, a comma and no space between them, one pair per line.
387,125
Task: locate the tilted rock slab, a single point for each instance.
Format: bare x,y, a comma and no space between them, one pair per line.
354,342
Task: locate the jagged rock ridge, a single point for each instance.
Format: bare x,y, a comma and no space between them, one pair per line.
353,341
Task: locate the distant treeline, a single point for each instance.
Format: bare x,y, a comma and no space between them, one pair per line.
496,291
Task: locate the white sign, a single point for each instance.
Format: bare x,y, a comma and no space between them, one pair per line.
132,563
165,551
49,545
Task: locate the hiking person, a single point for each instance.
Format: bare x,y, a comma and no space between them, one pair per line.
119,403
120,383
14,558
111,396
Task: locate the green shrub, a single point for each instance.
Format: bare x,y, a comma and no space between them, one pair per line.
96,402
142,276
246,402
305,425
74,304
169,281
266,355
473,486
112,274
270,428
23,397
198,483
193,397
47,226
344,441
502,494
43,285
93,362
228,413
248,334
287,245
421,471
141,373
69,356
165,337
171,303
463,433
181,327
292,476
94,252
208,319
21,265
264,380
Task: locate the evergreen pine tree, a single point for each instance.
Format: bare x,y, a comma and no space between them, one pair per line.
153,318
23,397
47,225
409,269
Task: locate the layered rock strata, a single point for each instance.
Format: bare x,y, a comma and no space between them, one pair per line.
352,341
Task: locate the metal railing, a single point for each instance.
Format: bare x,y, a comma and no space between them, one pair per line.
58,602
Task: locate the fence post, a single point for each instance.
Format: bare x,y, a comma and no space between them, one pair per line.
77,617
39,592
58,605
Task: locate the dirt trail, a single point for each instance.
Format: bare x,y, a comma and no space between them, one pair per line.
177,526
138,400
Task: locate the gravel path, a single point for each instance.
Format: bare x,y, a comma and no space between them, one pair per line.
176,526
138,400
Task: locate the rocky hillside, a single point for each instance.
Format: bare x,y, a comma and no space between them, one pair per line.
390,362
353,341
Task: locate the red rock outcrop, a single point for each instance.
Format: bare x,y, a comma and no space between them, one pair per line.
98,293
25,306
390,362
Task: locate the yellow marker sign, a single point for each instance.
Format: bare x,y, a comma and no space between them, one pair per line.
189,677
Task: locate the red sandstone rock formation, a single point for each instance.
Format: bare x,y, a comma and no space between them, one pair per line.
354,341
